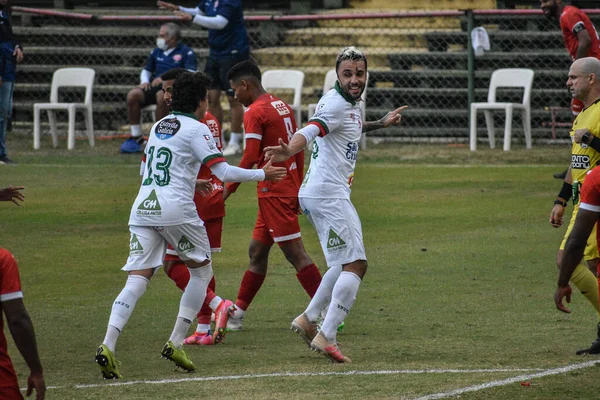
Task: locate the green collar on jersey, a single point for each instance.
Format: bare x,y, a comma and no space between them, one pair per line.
341,92
185,114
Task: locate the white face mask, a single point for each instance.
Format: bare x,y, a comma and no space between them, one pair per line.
161,44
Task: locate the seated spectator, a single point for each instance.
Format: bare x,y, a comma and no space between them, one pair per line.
169,53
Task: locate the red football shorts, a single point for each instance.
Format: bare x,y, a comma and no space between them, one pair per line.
277,220
214,230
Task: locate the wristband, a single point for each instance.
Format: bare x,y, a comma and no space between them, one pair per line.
560,202
566,191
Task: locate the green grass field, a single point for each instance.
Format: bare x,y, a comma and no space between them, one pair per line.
457,299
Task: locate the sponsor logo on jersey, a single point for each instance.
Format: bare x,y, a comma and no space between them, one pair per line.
335,242
210,142
185,246
150,205
177,57
580,161
167,128
281,107
135,247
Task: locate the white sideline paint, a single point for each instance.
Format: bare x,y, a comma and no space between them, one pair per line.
504,382
299,374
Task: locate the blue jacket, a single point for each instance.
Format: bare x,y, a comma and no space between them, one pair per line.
8,43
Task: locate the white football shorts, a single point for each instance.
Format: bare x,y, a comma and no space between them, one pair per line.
338,227
148,244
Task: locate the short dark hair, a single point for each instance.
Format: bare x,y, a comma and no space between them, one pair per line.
174,73
189,89
350,53
244,69
173,30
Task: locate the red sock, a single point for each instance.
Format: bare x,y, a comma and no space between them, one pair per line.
310,279
205,312
251,283
180,274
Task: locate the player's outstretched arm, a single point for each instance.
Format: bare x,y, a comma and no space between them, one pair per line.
167,5
284,151
584,223
12,193
204,186
229,173
273,173
392,118
21,329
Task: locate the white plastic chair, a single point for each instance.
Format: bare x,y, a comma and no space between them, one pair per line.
149,109
67,77
330,78
508,77
286,79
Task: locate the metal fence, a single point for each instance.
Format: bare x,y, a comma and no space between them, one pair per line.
420,59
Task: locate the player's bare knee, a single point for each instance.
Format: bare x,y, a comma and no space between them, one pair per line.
195,264
146,273
358,267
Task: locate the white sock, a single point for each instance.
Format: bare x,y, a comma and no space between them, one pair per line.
322,297
235,138
202,328
136,130
238,313
110,340
343,296
122,308
191,302
214,304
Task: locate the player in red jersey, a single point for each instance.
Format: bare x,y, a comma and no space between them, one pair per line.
211,209
18,321
587,218
579,34
580,38
266,120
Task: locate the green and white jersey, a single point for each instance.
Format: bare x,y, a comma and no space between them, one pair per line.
333,159
177,146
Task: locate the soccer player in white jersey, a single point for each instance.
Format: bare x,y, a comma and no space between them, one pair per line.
164,212
324,197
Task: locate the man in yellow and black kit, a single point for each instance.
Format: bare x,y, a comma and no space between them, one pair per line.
584,84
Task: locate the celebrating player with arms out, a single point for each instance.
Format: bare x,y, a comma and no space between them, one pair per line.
164,213
267,120
337,127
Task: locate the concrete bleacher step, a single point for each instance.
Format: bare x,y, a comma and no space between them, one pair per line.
91,55
301,57
544,78
506,41
424,5
340,37
456,97
491,60
101,36
429,22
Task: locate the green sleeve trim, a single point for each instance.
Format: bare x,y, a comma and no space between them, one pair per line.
322,123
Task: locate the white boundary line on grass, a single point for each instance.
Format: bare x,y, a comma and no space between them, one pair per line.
504,382
378,165
299,374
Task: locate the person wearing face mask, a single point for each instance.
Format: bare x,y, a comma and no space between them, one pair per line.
11,53
169,53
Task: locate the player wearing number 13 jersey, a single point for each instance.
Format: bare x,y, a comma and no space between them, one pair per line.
164,213
267,120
